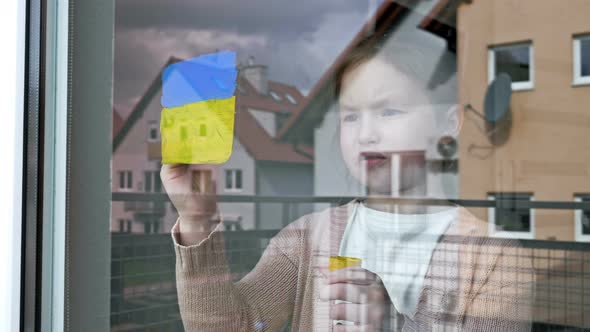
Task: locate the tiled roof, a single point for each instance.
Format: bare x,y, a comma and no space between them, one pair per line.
261,146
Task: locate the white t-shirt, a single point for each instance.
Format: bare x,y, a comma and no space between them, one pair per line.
396,247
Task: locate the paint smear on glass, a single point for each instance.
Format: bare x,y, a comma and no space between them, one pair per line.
197,122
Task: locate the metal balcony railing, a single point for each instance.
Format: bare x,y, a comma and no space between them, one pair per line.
143,291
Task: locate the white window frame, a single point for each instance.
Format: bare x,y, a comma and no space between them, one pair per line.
65,304
12,85
516,86
127,172
154,180
124,225
509,234
578,223
233,177
291,99
152,126
275,96
577,52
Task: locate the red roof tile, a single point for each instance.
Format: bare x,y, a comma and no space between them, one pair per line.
261,145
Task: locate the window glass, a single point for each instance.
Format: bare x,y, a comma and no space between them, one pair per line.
229,179
238,175
157,181
514,61
148,181
328,131
121,179
129,179
586,220
508,216
585,56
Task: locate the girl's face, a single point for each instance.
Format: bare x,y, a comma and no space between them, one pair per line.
383,113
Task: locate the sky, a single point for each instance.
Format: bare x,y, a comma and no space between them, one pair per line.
297,40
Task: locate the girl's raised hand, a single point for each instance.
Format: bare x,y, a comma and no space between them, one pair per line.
195,208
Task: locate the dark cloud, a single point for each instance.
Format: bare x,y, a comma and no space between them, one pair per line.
245,16
296,39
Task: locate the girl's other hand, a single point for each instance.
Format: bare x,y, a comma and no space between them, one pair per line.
366,294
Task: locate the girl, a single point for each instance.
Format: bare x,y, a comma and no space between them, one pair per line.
423,268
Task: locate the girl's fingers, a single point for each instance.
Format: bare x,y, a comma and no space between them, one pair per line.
186,196
355,275
175,179
359,313
345,292
354,293
355,328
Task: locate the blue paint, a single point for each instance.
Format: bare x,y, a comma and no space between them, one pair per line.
211,76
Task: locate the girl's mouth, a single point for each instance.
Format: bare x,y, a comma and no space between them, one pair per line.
374,159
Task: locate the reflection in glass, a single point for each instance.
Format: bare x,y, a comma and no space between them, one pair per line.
514,61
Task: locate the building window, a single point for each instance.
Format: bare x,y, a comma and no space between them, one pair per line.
124,225
516,60
275,96
508,219
156,227
291,99
147,227
153,132
233,179
125,180
201,181
582,219
152,182
582,60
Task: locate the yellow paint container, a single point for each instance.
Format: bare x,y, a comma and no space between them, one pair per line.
340,262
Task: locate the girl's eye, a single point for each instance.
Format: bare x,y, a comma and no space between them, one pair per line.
350,117
391,112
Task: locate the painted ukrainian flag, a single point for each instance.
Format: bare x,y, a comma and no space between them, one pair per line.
198,101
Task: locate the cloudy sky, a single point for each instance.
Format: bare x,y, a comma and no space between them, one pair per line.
297,40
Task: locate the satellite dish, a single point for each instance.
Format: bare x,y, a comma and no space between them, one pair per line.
497,100
497,109
497,114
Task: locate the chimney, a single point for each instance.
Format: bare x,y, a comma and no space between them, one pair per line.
256,75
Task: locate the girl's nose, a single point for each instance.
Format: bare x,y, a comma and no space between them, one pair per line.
368,132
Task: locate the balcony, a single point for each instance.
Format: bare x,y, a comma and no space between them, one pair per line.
143,292
145,207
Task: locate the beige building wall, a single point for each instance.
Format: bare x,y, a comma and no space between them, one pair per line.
548,152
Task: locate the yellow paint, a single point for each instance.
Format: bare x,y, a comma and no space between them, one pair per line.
198,133
340,262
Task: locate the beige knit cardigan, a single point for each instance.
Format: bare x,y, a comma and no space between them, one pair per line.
473,283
